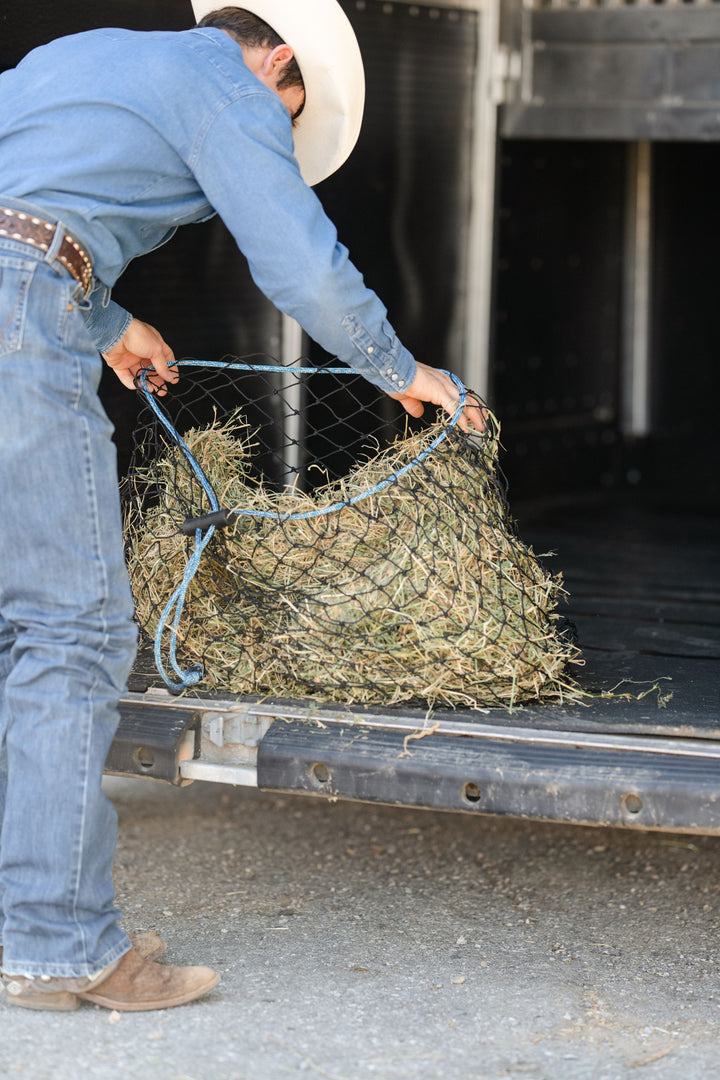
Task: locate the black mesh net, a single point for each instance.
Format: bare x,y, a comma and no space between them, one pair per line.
290,534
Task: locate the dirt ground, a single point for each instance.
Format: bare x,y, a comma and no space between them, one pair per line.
359,942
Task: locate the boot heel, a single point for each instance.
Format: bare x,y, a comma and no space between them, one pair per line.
51,1000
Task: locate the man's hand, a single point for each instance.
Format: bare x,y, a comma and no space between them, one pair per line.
437,387
142,347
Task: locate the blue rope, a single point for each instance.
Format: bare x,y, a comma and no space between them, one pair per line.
175,605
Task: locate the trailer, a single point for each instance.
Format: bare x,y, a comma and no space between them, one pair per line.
534,195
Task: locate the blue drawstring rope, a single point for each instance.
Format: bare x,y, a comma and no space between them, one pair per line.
192,675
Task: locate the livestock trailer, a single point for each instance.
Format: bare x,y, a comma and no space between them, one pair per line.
534,195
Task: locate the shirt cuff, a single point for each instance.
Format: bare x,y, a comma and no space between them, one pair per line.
105,320
382,360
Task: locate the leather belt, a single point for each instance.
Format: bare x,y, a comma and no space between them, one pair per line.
28,229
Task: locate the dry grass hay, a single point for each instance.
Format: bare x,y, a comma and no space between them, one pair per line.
419,593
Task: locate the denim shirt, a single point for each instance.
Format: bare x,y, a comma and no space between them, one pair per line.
124,136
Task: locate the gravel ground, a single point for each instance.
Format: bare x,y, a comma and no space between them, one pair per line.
374,942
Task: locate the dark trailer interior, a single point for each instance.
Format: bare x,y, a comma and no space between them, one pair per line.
599,349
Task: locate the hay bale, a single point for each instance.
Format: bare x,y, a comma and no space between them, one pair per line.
421,592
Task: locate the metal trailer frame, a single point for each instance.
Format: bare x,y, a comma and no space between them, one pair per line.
448,762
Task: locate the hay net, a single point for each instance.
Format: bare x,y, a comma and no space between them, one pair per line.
290,534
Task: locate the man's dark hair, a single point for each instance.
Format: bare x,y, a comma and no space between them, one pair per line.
250,30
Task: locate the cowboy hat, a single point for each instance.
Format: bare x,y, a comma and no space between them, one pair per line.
328,55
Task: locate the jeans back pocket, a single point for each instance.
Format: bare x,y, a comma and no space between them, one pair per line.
15,278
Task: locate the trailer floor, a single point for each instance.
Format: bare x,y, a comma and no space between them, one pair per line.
644,595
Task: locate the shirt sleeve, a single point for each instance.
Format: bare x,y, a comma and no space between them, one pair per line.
246,167
105,320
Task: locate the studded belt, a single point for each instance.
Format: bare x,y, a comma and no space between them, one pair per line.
28,229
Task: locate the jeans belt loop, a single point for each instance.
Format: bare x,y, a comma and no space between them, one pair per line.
55,244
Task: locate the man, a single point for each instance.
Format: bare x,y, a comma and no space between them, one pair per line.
108,141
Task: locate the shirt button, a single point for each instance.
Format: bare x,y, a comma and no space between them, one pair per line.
389,371
394,378
371,349
401,383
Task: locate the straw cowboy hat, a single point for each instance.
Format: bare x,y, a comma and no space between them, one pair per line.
328,56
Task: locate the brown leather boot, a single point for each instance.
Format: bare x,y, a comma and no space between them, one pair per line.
138,985
48,992
148,944
132,984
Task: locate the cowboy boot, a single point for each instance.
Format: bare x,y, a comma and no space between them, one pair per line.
131,984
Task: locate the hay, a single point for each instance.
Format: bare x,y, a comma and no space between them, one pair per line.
420,593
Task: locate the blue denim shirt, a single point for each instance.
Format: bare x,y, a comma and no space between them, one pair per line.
124,136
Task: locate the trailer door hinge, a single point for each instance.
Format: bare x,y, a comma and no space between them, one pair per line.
505,74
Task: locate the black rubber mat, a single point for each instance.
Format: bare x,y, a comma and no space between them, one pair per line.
644,594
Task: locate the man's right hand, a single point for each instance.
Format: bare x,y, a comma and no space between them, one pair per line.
435,386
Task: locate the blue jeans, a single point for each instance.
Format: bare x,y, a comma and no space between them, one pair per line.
67,639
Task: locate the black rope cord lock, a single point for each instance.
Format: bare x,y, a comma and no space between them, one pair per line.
219,518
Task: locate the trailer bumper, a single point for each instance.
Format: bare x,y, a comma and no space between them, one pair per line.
470,765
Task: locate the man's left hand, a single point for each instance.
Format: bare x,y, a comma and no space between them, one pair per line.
142,347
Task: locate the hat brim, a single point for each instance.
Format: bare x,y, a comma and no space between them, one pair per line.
328,55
